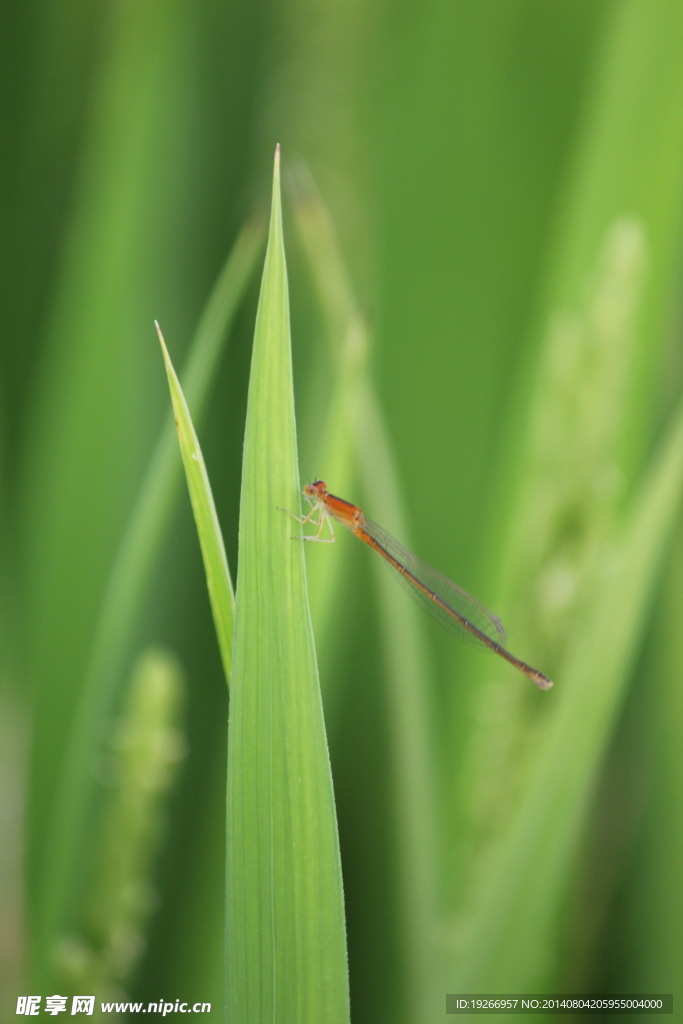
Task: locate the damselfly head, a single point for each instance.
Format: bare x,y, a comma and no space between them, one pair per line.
318,489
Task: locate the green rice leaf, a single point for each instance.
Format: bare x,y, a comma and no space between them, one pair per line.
286,955
218,578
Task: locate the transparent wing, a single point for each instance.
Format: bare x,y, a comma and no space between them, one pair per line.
453,604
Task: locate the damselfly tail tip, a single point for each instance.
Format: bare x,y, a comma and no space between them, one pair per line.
542,682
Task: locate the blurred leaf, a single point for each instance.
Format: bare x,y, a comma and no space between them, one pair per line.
130,574
354,431
89,408
147,746
286,950
513,916
652,904
348,342
579,575
150,518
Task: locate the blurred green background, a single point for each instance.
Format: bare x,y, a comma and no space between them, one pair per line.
504,180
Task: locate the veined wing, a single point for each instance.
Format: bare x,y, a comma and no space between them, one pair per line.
443,599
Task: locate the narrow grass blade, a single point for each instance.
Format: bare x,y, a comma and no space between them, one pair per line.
523,885
410,689
346,332
68,814
88,400
354,436
655,906
610,275
208,529
286,949
150,518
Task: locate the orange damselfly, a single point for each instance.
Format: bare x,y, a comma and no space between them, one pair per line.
449,604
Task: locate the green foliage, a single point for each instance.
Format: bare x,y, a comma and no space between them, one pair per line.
76,792
286,952
485,356
216,568
147,746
